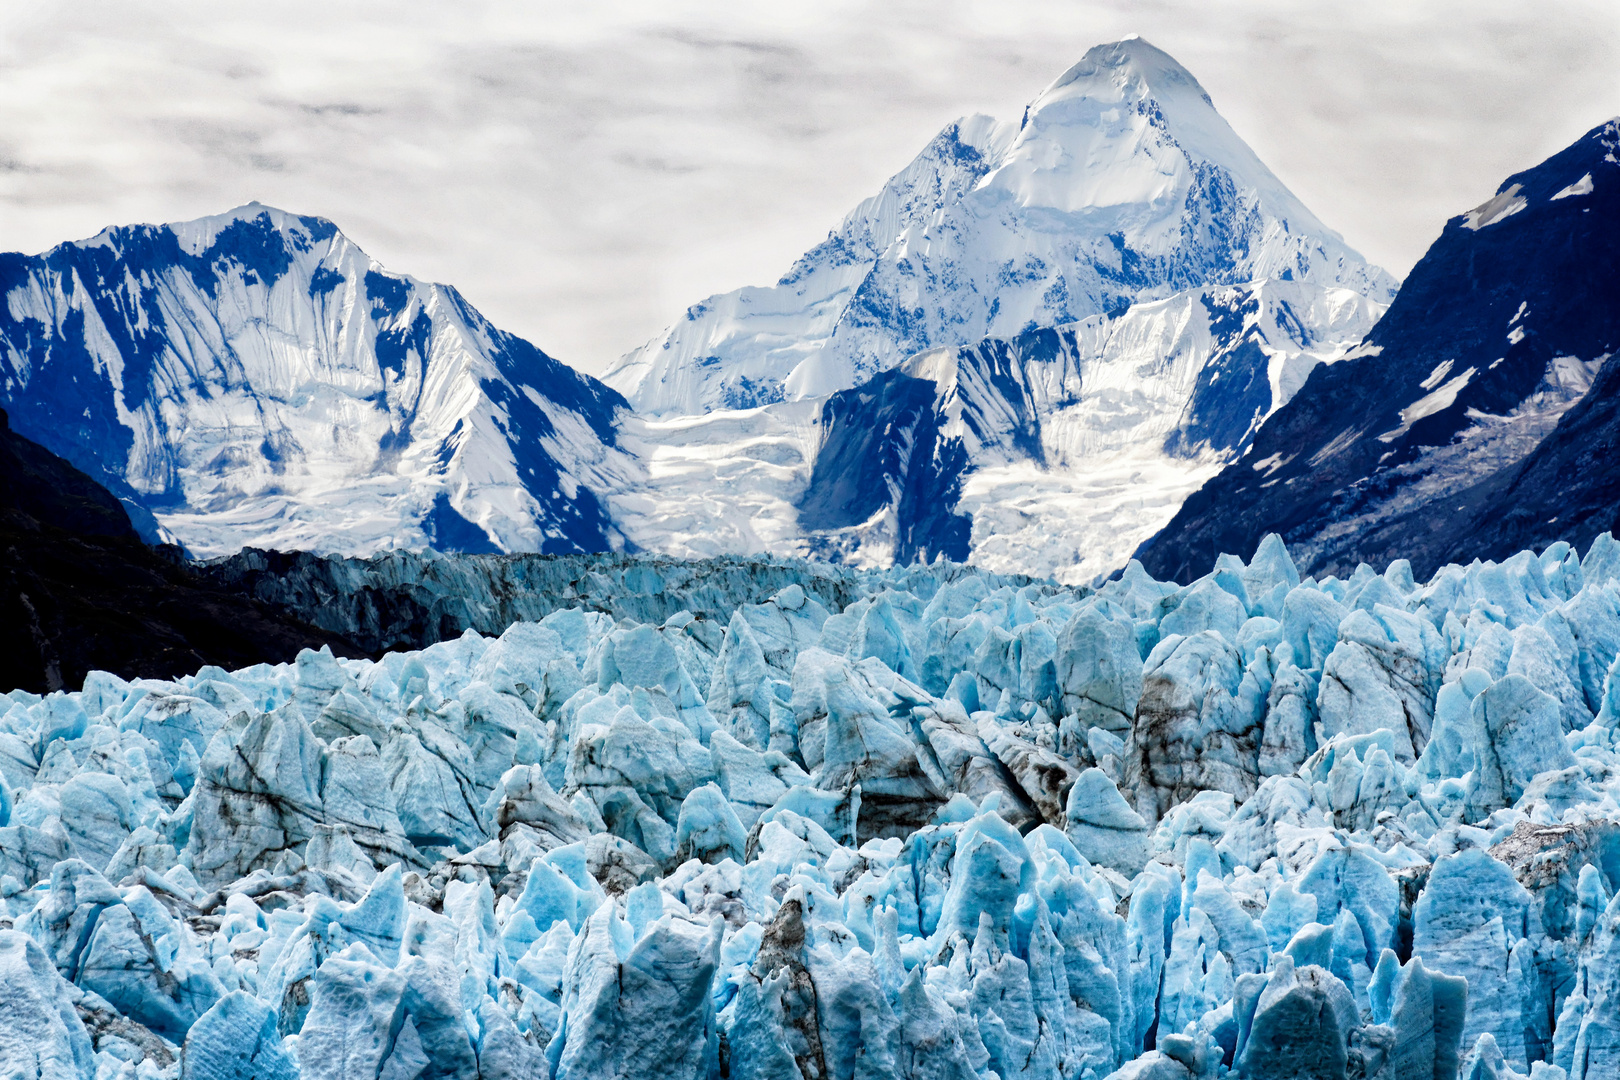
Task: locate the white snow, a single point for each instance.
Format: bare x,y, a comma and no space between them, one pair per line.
723,483
1436,375
1428,405
1502,205
995,228
1081,522
1583,186
1268,465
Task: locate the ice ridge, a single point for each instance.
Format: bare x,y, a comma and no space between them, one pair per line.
943,826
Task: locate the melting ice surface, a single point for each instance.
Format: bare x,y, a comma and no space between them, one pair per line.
1254,826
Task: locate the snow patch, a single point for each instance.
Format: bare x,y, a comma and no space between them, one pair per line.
1268,465
1436,375
1501,205
1428,405
1583,186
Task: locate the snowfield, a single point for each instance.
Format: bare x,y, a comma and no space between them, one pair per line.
956,828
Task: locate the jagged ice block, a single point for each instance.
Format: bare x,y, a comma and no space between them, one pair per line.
941,825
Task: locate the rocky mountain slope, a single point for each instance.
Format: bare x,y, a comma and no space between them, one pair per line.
1476,411
256,378
1255,826
1057,452
1120,183
80,592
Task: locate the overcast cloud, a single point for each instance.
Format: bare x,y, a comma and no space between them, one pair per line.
583,172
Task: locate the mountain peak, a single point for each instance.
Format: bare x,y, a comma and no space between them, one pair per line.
1132,65
1125,133
1121,183
255,377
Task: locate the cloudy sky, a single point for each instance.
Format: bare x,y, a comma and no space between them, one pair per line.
584,172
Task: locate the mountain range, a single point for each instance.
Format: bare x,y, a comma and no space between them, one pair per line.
1041,346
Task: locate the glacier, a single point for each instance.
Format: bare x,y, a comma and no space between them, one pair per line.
918,822
1054,453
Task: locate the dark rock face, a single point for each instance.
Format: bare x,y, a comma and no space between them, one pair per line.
37,488
882,446
904,440
1233,392
1567,489
1480,416
79,591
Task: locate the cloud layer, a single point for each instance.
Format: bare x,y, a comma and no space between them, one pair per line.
583,175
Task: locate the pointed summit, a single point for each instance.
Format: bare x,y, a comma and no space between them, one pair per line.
1134,65
1130,128
1121,184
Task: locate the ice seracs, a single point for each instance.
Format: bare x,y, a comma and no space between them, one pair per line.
919,820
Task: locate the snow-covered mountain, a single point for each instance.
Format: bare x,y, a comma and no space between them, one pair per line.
1479,417
1120,184
1054,453
256,379
1026,350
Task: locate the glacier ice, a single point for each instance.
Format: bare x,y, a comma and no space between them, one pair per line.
923,822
